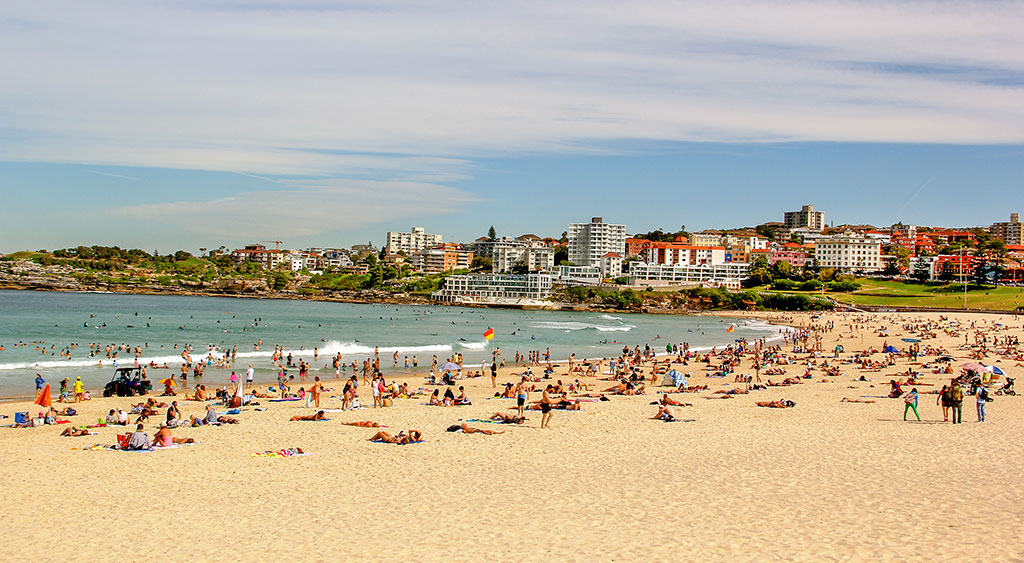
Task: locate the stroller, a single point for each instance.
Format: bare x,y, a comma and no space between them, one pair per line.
1007,388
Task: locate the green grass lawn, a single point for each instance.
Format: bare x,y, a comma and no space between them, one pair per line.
893,293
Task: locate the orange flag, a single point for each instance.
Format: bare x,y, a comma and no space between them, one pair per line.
43,399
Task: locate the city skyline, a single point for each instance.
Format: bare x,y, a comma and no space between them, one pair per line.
328,124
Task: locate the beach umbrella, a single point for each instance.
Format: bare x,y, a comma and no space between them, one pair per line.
973,366
911,340
43,399
994,370
450,366
890,350
169,381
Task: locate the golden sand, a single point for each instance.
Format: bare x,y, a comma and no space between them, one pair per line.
730,481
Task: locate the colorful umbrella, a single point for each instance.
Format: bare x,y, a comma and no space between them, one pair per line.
995,370
450,366
973,366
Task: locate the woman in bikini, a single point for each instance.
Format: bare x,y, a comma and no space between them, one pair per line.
318,416
402,438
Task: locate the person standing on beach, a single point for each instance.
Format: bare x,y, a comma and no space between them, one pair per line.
910,402
982,395
40,382
79,389
545,407
249,374
521,395
956,401
315,391
943,399
494,375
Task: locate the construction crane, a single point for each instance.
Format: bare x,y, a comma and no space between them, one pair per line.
277,243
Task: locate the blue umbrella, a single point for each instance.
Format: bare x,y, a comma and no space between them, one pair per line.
890,350
911,340
450,366
994,370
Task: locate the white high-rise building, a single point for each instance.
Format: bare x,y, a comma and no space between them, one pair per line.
411,242
588,242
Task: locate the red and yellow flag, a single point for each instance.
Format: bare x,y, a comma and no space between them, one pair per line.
732,327
489,334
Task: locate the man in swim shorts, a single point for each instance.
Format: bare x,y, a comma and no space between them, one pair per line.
521,395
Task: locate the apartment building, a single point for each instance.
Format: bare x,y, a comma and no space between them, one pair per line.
1011,232
669,253
471,287
588,242
441,258
729,275
849,253
411,242
806,218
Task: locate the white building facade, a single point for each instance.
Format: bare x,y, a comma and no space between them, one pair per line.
471,287
730,274
411,242
588,242
849,253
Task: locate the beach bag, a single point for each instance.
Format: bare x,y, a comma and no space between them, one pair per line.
387,402
909,399
122,441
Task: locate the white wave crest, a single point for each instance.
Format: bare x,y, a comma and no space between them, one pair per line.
573,325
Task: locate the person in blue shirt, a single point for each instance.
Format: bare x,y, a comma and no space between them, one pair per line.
39,382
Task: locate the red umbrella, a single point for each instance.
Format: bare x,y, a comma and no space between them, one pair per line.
43,399
973,366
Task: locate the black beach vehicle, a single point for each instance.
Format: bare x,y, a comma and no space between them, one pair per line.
127,382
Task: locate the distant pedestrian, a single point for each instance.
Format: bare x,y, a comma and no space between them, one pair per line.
982,395
910,402
956,401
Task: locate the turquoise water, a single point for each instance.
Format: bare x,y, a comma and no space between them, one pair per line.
49,322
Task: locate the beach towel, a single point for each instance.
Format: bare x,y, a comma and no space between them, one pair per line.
383,442
284,400
287,452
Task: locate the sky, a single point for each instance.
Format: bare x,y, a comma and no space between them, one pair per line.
192,124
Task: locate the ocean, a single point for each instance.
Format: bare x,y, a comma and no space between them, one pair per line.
45,323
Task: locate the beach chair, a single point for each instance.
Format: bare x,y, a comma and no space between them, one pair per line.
22,419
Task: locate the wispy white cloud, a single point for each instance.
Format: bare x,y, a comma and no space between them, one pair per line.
308,207
413,92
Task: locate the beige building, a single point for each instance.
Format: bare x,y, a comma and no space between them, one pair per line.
411,242
806,218
849,253
1011,232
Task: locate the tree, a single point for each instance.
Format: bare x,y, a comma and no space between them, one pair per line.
947,272
181,256
902,257
520,268
561,255
922,270
781,269
481,264
492,235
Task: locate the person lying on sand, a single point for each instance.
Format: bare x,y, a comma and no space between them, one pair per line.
667,400
164,439
564,404
849,400
364,424
780,404
664,413
465,429
507,418
736,391
318,416
402,438
69,432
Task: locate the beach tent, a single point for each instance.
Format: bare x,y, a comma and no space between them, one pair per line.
450,366
674,378
890,350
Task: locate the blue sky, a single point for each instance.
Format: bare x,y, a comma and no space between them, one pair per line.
188,124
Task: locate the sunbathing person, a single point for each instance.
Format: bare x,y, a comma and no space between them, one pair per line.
667,401
365,424
736,391
564,404
780,404
664,413
435,398
164,439
318,416
470,430
69,432
199,395
507,418
402,438
849,400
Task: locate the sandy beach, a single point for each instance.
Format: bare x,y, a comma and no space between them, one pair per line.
825,480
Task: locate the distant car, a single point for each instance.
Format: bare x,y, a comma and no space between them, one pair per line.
127,382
